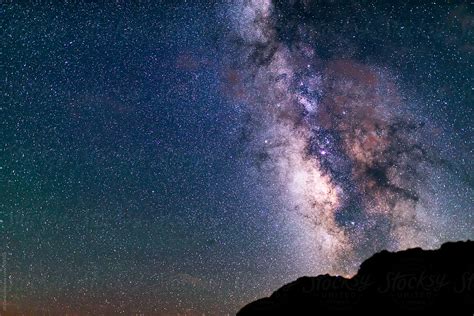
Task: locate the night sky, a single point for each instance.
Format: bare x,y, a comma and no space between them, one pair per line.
189,157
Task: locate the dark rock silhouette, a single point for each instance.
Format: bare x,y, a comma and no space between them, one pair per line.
410,282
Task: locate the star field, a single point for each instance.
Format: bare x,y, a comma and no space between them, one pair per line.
189,157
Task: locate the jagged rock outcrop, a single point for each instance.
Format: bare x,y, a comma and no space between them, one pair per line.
410,282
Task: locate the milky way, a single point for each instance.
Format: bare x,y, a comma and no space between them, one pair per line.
353,163
188,157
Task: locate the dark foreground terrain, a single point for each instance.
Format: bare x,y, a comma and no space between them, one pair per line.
410,282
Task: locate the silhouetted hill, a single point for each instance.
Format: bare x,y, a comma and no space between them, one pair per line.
410,282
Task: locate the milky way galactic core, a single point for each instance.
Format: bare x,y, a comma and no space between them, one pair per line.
357,164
